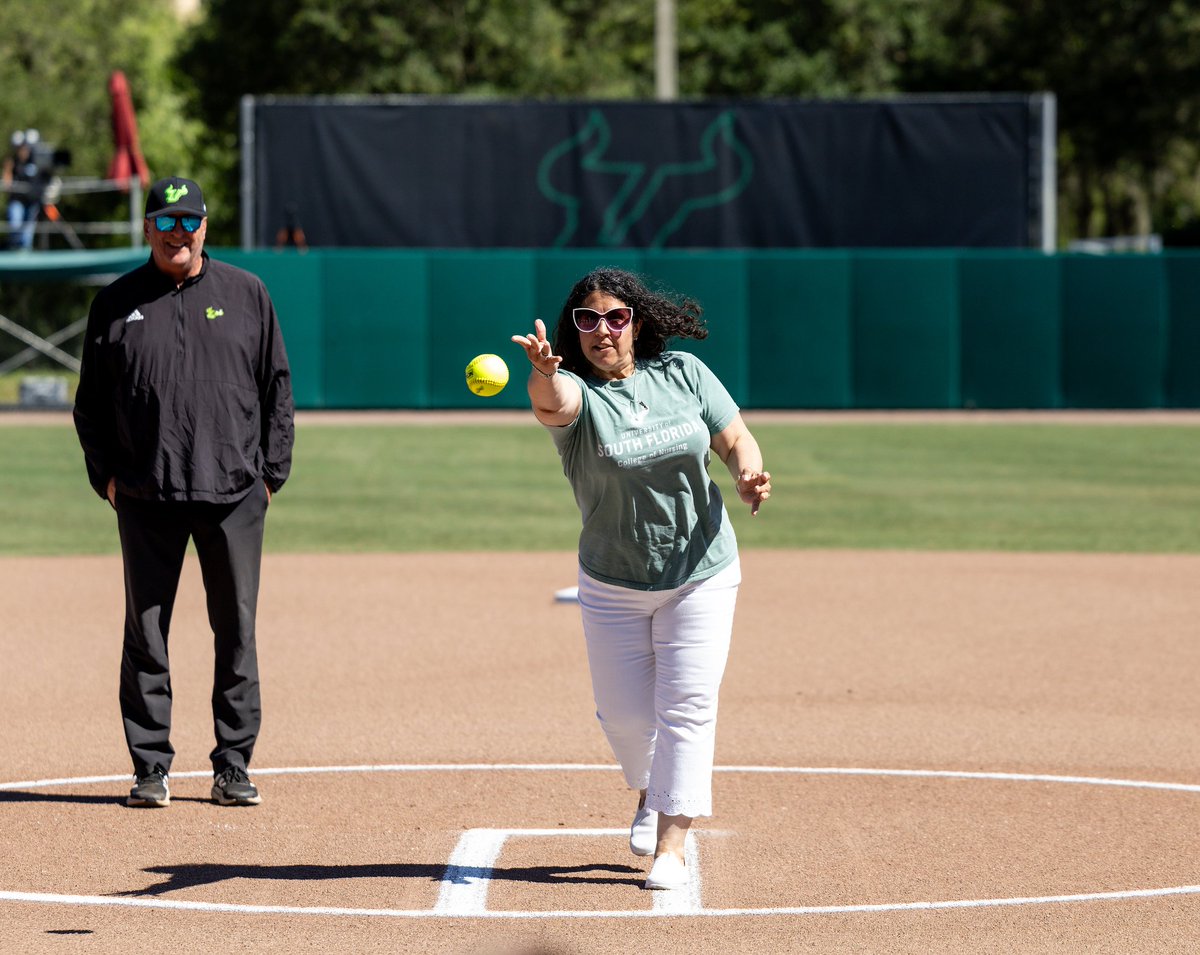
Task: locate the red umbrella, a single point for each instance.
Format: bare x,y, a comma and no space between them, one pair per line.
127,160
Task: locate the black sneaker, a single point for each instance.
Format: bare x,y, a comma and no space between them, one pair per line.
232,787
151,790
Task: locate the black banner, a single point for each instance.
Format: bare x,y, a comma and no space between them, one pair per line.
430,173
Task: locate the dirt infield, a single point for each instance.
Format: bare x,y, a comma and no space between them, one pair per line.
918,752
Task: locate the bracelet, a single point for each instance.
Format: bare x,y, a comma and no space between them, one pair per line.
542,373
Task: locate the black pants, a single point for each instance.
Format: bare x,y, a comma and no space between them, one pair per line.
228,539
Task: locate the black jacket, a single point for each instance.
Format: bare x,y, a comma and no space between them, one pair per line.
185,393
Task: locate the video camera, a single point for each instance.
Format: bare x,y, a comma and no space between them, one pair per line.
45,157
36,173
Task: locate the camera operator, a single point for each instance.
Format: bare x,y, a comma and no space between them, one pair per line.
26,177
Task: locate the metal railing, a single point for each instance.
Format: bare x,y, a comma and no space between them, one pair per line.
51,220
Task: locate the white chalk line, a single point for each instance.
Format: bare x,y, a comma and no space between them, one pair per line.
468,873
684,901
883,907
312,770
465,885
463,892
610,768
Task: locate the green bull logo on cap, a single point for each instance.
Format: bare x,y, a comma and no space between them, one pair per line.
175,193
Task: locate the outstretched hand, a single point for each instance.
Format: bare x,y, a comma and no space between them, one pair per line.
538,350
753,488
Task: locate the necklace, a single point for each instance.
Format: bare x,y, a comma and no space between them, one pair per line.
638,409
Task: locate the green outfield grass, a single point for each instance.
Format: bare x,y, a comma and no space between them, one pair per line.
1035,487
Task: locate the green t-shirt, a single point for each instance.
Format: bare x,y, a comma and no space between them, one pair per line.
637,459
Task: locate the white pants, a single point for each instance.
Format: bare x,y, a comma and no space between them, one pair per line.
657,658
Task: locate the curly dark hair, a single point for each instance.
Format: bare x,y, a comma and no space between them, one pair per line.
659,316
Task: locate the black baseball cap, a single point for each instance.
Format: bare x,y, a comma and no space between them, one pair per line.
175,197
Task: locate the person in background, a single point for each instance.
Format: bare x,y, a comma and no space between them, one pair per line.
184,411
25,181
634,425
291,234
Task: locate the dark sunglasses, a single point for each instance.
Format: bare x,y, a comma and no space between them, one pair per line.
588,319
167,223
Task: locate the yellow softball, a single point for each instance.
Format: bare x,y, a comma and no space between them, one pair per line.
487,375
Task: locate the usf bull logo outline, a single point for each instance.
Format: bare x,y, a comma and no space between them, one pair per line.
718,150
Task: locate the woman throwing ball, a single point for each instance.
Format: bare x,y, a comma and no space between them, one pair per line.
634,425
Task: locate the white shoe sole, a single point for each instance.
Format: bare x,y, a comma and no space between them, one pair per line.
148,803
222,800
139,803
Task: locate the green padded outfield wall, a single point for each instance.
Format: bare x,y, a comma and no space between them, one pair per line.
799,337
1009,330
802,329
1183,342
904,326
1114,332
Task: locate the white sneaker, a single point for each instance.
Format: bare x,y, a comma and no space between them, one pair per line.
643,834
667,873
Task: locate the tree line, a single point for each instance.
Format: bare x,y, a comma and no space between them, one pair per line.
1126,74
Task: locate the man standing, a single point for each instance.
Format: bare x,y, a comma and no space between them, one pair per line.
184,411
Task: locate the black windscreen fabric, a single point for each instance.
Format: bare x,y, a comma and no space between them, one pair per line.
761,174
